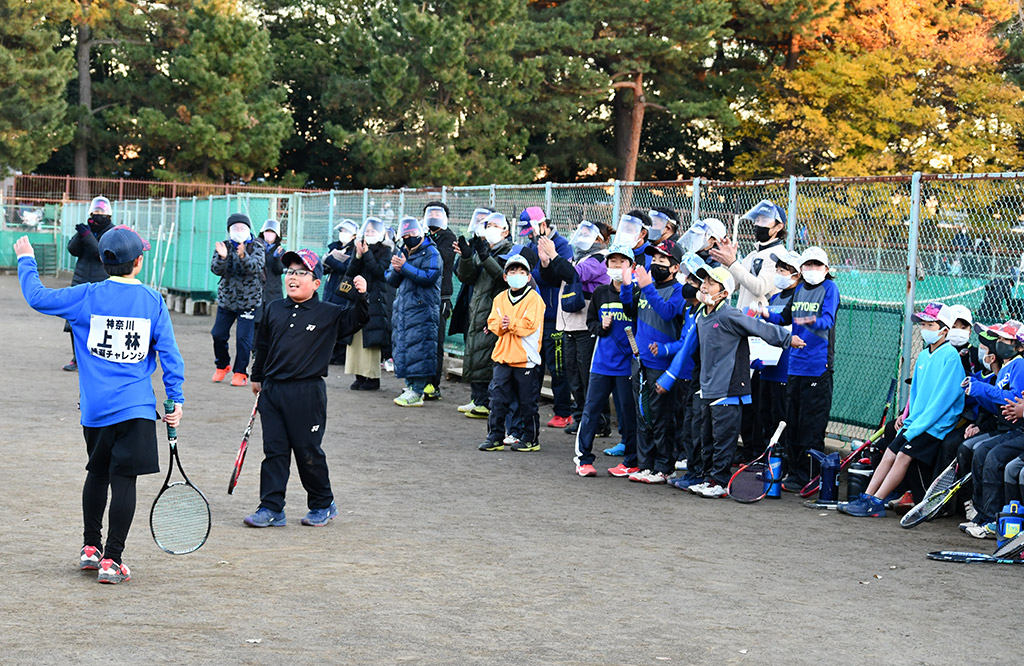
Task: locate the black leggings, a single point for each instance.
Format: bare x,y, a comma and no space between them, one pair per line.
122,511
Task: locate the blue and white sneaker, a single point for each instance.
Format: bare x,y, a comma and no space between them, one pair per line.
264,517
617,450
865,506
320,517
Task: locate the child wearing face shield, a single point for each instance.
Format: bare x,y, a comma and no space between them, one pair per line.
270,238
435,214
416,273
702,237
633,231
239,261
936,401
371,261
479,268
516,318
812,314
664,222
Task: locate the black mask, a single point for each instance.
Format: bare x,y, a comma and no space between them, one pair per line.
97,222
762,234
689,291
704,254
660,273
412,242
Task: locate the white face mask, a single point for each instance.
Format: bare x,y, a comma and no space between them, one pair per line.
518,280
615,274
493,235
706,298
958,337
371,239
816,276
930,337
239,235
783,281
345,237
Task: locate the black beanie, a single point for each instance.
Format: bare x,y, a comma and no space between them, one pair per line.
235,218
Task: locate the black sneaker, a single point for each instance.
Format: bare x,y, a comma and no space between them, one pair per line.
572,428
492,446
431,392
72,366
357,385
525,447
370,384
791,485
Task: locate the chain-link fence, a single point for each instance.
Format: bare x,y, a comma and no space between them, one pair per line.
895,243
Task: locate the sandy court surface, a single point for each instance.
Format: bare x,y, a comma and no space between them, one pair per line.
445,555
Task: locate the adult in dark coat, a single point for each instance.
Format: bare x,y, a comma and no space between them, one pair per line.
480,267
270,237
85,245
435,214
371,261
338,288
416,273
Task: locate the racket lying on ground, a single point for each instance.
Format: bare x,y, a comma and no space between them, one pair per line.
1012,548
240,458
180,517
943,489
814,485
752,481
644,397
961,556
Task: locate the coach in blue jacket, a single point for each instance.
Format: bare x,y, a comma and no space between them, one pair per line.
416,273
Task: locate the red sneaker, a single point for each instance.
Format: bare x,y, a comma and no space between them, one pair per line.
621,470
559,421
240,379
586,470
220,373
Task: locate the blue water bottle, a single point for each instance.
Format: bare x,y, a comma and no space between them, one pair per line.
1010,522
774,480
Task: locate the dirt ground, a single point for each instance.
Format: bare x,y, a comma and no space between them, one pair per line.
442,554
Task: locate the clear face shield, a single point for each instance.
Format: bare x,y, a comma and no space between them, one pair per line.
476,223
346,230
690,264
584,237
372,231
763,214
628,230
435,218
658,223
494,227
696,238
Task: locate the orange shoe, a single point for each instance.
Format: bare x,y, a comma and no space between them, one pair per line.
220,373
559,421
621,470
240,379
586,470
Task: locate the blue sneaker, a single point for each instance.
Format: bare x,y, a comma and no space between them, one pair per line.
617,450
685,481
865,506
265,518
320,517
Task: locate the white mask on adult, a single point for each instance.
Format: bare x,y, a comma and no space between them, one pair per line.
239,235
493,235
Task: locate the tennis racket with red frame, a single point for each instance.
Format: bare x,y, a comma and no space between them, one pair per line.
240,458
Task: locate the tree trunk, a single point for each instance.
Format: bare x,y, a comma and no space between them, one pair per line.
629,123
84,132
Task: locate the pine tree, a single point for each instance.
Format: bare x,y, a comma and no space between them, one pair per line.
33,76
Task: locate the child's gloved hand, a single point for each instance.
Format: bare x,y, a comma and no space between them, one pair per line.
756,364
83,230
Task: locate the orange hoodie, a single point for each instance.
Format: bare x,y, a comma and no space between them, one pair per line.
519,344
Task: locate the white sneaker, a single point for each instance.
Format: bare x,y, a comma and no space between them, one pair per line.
468,407
713,491
655,477
970,511
698,487
981,531
406,394
510,440
640,475
681,465
389,365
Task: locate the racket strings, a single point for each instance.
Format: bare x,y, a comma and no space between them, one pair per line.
749,483
180,519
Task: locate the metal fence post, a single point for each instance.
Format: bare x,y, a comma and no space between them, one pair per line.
908,304
444,195
791,214
401,203
492,197
330,213
547,200
695,211
366,202
616,204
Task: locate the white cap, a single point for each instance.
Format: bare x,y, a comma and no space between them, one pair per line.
788,257
814,253
719,274
715,228
961,312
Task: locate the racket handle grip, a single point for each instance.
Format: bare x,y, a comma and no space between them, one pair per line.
172,433
632,341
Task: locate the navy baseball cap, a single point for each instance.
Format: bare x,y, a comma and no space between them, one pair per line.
307,258
666,248
121,245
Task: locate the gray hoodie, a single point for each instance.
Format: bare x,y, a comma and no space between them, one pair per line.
724,352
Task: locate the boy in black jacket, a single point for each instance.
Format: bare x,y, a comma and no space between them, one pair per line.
293,352
85,246
435,214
